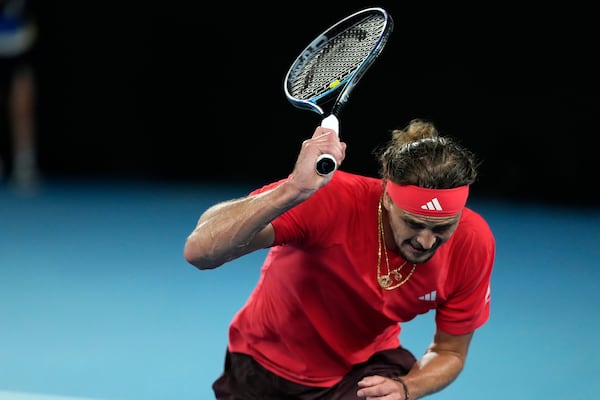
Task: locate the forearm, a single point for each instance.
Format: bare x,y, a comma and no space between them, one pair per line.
234,228
229,230
433,372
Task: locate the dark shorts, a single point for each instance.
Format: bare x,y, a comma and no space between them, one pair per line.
244,379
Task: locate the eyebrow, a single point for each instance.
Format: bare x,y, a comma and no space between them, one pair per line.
424,225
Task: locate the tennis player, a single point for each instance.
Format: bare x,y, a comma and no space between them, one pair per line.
352,258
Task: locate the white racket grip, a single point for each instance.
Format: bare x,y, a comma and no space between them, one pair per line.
326,163
331,122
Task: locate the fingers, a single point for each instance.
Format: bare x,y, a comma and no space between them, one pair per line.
371,381
375,387
321,130
326,141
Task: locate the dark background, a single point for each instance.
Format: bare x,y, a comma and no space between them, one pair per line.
174,91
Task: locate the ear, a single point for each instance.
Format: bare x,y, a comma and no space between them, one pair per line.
387,201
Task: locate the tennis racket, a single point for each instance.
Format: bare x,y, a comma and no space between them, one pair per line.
332,64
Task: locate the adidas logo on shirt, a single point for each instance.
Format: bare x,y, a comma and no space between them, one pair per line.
431,296
433,204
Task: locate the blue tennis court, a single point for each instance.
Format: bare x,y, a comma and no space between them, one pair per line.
97,302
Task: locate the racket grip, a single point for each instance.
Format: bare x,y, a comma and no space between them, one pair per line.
326,163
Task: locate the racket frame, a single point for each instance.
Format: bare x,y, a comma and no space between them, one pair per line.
345,86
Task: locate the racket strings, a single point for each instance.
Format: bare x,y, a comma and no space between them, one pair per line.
336,60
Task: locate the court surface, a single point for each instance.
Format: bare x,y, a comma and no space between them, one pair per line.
97,302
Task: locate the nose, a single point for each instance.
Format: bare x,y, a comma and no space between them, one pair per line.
426,239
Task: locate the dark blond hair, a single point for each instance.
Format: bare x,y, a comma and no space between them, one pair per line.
418,155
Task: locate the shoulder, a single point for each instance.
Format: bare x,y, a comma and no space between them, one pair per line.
354,182
341,183
471,222
351,191
344,205
473,239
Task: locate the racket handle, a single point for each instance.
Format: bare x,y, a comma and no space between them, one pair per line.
326,163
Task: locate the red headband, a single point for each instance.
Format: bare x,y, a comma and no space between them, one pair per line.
428,202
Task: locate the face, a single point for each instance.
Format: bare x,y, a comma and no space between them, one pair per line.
417,237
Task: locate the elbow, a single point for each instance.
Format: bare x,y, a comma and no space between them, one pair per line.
197,257
191,258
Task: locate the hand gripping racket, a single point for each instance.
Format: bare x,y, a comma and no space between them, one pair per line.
332,64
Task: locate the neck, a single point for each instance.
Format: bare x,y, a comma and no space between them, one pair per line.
390,243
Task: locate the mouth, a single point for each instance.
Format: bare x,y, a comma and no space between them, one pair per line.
416,249
417,254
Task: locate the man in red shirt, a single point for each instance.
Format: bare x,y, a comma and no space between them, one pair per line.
351,258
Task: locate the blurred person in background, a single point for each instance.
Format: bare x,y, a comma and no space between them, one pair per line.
18,34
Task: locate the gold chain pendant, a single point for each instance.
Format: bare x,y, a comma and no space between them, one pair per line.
397,277
385,280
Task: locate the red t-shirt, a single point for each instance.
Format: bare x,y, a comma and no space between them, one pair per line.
318,309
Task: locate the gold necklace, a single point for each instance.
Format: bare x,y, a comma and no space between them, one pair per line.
393,279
